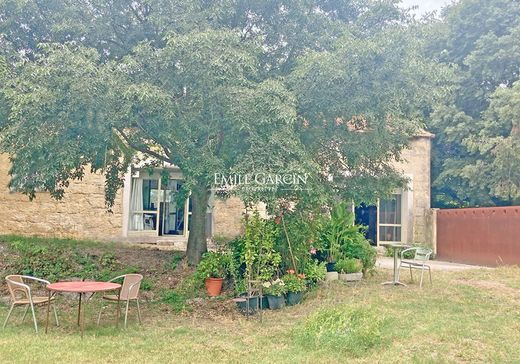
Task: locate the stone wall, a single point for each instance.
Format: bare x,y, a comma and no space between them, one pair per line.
416,165
81,213
227,217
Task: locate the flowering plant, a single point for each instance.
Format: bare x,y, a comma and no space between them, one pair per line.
294,282
274,288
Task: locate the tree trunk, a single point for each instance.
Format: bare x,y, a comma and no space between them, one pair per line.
197,244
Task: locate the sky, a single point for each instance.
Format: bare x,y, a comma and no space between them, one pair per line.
425,5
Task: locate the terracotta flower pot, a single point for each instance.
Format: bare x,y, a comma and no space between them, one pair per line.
214,286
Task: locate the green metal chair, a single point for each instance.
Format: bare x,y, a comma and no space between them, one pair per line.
421,256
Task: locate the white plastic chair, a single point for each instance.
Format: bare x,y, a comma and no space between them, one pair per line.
421,256
129,292
21,295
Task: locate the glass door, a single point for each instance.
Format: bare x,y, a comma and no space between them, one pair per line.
173,215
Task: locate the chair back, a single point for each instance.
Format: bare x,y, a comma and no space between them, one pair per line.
422,254
16,291
130,287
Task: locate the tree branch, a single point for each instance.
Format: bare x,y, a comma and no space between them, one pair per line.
142,149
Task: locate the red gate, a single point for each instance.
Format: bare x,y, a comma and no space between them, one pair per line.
486,236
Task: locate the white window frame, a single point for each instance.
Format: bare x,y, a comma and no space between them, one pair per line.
128,211
402,225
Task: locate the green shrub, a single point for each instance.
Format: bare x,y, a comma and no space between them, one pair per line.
344,329
337,230
314,272
108,260
44,261
214,265
294,283
343,239
349,265
188,288
303,230
275,288
258,254
361,249
240,286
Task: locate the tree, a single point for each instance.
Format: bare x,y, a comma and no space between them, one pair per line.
362,103
498,144
192,104
481,40
245,90
4,75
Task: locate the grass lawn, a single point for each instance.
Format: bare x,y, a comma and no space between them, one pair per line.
470,316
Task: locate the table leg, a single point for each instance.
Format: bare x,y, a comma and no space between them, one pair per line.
81,317
79,309
48,309
395,282
118,307
395,266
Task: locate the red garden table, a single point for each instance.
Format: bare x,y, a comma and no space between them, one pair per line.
82,287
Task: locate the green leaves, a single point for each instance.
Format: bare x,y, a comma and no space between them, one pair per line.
304,87
57,122
260,258
475,153
361,103
214,265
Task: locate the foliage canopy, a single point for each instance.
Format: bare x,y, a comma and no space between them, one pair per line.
303,86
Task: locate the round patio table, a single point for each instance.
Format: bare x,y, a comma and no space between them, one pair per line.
81,288
398,247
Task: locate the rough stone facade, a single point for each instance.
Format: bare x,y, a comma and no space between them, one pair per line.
416,165
418,223
81,213
227,217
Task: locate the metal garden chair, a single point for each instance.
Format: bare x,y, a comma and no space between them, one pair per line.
129,292
421,256
21,295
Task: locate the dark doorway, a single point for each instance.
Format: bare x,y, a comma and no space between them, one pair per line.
367,216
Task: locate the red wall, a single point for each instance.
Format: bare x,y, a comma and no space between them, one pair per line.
486,236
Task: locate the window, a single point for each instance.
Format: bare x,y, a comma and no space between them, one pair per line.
173,221
390,225
154,207
143,204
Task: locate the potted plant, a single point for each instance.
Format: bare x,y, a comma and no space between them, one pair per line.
212,269
295,286
315,272
257,257
350,269
274,292
243,301
358,247
334,235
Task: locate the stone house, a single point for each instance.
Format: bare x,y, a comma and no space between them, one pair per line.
145,209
